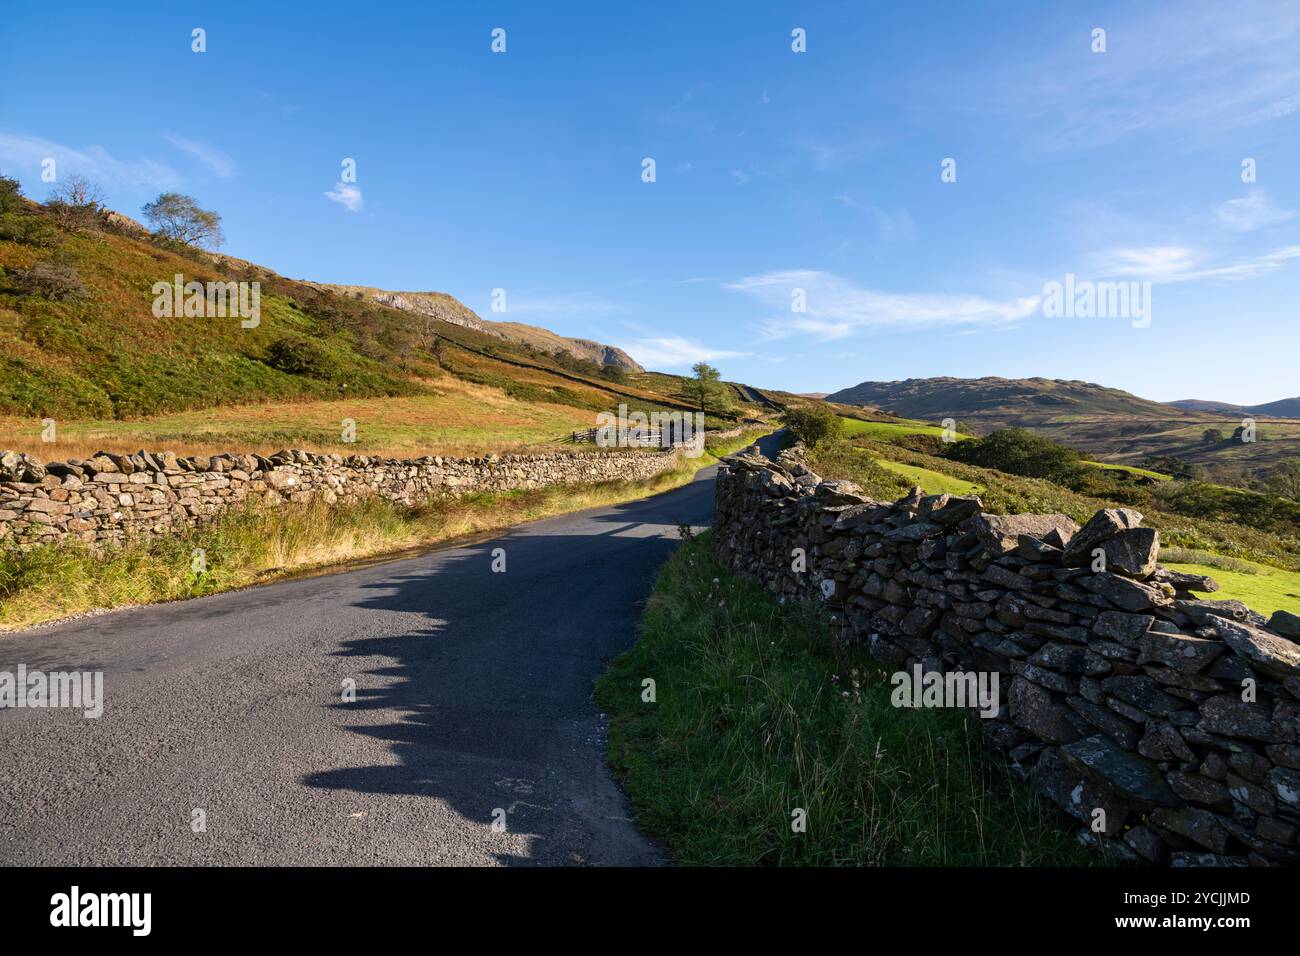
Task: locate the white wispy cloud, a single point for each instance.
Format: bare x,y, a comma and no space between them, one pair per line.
217,161
1251,212
675,352
21,155
836,307
1170,264
347,195
1193,69
890,225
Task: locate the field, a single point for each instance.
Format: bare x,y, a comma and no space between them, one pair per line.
931,482
883,431
453,417
1264,589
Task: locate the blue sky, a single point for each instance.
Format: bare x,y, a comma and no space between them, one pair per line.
775,171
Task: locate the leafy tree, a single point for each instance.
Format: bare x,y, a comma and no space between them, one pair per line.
813,424
1019,452
11,192
16,221
1212,436
180,219
614,373
706,388
297,355
1174,466
1283,479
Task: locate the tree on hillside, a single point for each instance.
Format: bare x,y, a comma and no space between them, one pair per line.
1283,479
614,373
76,203
812,424
11,192
180,219
1018,452
18,223
706,388
1212,436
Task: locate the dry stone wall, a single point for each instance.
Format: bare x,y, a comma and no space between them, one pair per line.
1177,718
109,497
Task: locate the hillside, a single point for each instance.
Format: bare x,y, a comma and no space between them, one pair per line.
89,352
441,306
994,397
1282,408
1106,423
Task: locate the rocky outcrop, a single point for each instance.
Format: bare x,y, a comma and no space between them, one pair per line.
445,308
110,497
1169,726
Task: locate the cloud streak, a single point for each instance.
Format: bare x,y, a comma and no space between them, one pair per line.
675,352
836,308
20,153
347,195
211,157
1173,264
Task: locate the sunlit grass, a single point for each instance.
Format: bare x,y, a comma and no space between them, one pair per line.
259,543
756,716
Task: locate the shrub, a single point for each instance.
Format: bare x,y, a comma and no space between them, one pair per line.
1284,479
813,424
1018,452
54,278
11,192
300,356
75,205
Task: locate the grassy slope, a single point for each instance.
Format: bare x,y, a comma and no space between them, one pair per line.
453,417
932,482
260,544
104,367
1105,423
1263,589
755,716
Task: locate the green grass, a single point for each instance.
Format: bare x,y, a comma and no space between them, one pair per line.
256,543
931,482
883,431
1002,493
756,716
1131,469
1260,587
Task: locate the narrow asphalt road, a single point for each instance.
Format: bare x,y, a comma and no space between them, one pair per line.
473,704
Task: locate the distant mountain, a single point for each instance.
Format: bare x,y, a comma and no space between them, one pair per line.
998,401
1106,423
1282,408
443,307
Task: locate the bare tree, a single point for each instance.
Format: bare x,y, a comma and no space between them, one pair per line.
180,219
75,204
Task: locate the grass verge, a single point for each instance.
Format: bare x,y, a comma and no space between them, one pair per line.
256,544
756,715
